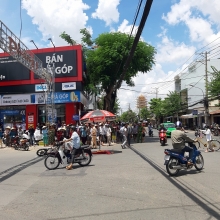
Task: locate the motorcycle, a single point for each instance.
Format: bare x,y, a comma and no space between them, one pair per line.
45,150
175,160
60,155
14,141
23,143
163,137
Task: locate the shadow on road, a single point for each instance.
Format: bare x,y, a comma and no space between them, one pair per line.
197,198
16,169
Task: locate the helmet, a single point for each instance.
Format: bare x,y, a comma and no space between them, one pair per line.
73,128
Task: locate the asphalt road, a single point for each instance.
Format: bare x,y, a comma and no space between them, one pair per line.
131,184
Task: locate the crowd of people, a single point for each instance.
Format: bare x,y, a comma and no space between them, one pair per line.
94,134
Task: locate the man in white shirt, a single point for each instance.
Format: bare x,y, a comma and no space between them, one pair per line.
124,132
73,144
102,133
208,135
108,133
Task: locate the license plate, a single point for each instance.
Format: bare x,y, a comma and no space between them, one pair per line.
167,157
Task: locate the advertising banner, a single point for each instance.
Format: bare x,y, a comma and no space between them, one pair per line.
39,98
65,62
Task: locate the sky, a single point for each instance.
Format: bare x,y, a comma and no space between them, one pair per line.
178,29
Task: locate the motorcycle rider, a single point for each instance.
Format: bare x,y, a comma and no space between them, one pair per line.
178,138
73,144
162,128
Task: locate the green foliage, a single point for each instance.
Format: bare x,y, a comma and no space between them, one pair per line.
172,104
105,64
156,107
87,38
67,38
128,116
145,113
214,84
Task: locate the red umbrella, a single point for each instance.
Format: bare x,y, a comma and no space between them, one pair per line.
98,116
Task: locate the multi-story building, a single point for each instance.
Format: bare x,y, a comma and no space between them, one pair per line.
24,95
191,85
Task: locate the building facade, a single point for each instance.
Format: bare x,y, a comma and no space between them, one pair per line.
191,85
24,96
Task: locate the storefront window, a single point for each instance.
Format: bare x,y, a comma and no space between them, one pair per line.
12,116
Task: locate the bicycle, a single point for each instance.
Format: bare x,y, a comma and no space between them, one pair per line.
214,144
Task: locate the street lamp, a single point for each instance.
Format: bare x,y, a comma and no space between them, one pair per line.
205,100
51,42
34,44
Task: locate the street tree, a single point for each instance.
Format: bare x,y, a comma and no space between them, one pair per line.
214,84
171,104
128,116
145,113
156,108
105,63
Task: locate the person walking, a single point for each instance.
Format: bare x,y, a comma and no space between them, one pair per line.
124,132
45,135
130,133
83,134
94,135
140,133
31,131
108,134
7,136
135,131
208,135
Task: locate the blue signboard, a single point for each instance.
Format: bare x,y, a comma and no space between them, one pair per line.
65,97
76,117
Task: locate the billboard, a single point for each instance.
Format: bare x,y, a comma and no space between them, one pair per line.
10,69
64,62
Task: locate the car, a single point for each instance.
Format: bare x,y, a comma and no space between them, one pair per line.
169,127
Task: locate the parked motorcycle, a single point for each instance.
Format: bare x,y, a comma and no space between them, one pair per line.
23,143
175,160
163,137
14,141
59,155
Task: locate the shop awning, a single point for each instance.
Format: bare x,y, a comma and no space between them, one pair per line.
188,116
215,112
191,115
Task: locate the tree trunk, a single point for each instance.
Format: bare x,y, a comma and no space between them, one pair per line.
109,100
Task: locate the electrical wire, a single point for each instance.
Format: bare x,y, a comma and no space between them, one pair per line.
198,55
20,21
129,38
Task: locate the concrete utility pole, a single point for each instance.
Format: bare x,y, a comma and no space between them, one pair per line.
206,102
156,88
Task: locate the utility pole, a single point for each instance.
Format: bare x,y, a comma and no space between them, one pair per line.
156,91
206,102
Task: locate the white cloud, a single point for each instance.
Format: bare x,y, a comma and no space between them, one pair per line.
126,28
170,51
54,16
107,11
201,18
145,84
